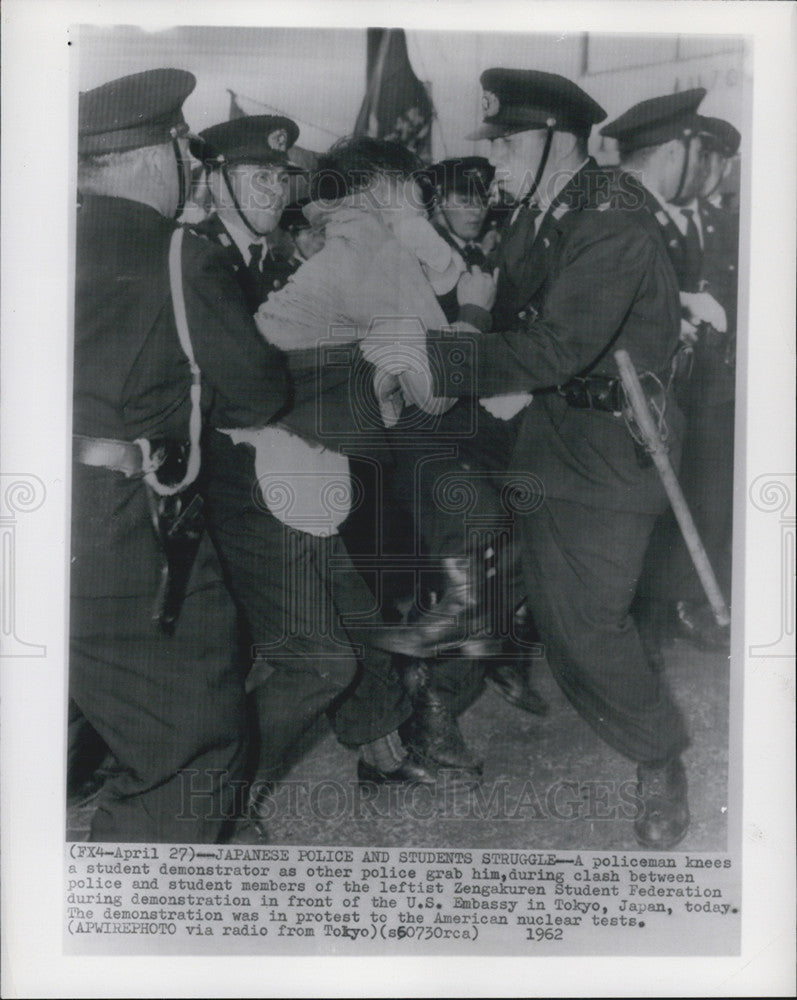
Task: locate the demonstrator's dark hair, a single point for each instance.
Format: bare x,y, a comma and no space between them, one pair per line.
352,163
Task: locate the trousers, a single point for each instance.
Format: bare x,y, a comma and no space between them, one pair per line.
706,478
299,594
581,566
452,478
170,708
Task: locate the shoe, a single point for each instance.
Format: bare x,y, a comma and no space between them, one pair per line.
511,681
696,624
662,789
433,737
408,772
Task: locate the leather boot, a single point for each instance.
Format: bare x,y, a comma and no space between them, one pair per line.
455,622
431,734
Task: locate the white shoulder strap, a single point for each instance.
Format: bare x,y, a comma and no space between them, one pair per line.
195,421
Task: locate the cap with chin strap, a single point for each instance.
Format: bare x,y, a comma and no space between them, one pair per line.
719,136
520,100
659,120
143,109
262,140
722,138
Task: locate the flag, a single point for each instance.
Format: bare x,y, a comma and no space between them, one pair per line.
396,104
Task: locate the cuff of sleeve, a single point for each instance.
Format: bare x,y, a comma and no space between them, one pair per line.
476,316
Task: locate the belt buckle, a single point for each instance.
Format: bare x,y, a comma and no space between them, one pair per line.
577,389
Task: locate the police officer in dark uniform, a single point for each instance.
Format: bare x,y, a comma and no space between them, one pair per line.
583,271
702,242
163,348
708,400
291,576
248,173
462,190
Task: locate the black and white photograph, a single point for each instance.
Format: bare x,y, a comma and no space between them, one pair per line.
403,437
406,496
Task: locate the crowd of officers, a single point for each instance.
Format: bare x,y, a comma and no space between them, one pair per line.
362,452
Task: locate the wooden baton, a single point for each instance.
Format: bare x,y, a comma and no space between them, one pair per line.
658,452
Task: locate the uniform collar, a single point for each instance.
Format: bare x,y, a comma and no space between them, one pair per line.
676,214
559,205
242,238
657,205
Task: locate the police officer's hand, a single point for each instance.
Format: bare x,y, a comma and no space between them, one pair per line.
477,288
704,308
688,332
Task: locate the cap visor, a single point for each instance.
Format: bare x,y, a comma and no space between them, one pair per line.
496,131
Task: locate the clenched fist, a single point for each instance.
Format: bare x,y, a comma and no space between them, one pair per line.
477,288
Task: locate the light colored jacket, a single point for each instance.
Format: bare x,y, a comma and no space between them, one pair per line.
363,286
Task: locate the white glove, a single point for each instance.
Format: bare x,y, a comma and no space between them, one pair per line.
704,308
688,332
506,407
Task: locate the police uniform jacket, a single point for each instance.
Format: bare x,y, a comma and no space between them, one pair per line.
273,273
594,277
132,379
714,373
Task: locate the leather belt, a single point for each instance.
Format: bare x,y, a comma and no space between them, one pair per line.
602,392
106,453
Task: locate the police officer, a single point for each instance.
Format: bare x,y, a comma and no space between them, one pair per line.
703,245
274,505
583,271
163,348
248,174
462,189
721,143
